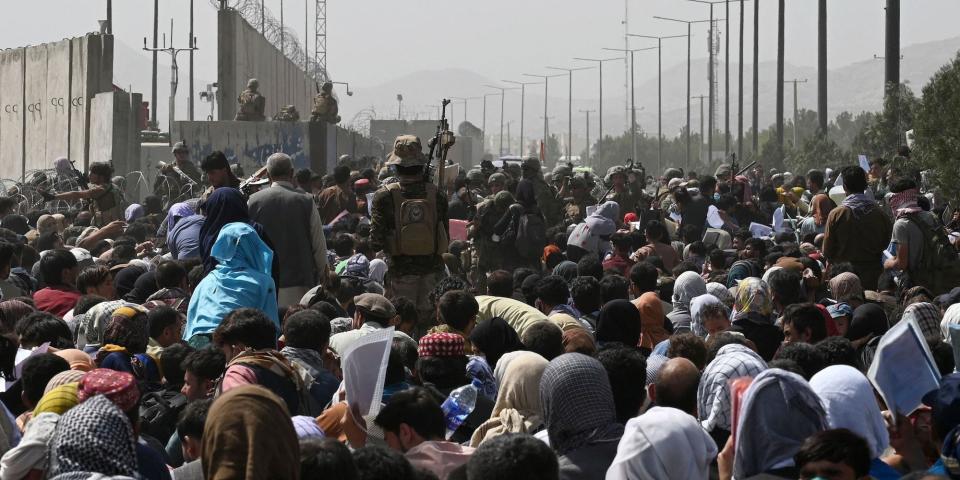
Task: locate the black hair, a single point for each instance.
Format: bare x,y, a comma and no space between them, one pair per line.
103,169
160,318
809,358
942,354
657,231
614,287
805,316
521,274
207,363
757,244
215,161
854,179
786,285
54,263
249,326
407,351
415,407
395,367
708,182
405,308
643,276
192,418
544,338
590,266
511,456
902,184
689,346
816,176
37,372
689,233
684,267
621,240
170,274
552,290
457,308
443,372
307,329
38,328
303,176
7,251
627,371
838,446
718,259
341,173
343,244
837,350
586,294
138,230
445,285
500,284
378,463
86,302
721,340
788,365
171,360
326,458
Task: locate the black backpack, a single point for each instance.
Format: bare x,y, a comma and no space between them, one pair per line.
531,236
939,268
159,412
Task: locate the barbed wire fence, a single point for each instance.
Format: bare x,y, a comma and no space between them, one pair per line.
282,37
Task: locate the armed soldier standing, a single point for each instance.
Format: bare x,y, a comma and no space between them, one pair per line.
175,177
546,195
409,223
105,199
626,191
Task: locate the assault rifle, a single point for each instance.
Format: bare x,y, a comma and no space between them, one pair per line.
444,139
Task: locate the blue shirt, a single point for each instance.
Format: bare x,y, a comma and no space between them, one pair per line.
185,237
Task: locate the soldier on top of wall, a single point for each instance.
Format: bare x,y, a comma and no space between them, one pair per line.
325,107
252,104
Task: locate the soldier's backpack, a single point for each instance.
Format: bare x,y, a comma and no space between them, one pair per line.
159,412
939,268
531,235
417,231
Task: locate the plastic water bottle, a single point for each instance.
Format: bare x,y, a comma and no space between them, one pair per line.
458,406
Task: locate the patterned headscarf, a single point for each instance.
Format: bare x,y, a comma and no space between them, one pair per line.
441,345
11,311
722,293
63,378
696,313
119,387
578,408
927,316
846,287
90,330
479,370
713,395
94,437
128,328
753,301
58,400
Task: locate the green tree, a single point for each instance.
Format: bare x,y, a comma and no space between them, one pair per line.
881,136
937,128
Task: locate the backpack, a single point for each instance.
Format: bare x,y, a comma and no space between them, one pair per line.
939,268
417,231
531,235
159,412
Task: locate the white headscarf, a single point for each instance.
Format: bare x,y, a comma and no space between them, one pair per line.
950,317
378,269
652,442
848,398
722,293
696,313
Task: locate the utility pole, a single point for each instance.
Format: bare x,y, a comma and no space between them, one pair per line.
600,67
756,79
174,71
822,66
502,97
796,111
570,106
587,113
523,97
780,41
700,97
689,38
546,91
892,53
483,135
191,41
153,84
109,28
464,100
712,76
633,105
740,90
659,94
726,81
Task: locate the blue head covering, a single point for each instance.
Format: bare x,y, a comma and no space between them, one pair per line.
240,247
225,205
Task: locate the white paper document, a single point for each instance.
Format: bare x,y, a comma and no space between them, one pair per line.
903,370
364,365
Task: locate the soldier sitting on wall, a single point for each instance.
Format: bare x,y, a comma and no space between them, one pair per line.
252,104
325,107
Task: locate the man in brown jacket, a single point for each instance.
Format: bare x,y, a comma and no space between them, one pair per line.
339,197
858,231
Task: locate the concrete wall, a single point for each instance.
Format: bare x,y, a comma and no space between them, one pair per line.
242,54
45,91
250,143
113,130
356,145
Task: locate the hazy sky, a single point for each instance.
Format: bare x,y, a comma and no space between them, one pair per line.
373,41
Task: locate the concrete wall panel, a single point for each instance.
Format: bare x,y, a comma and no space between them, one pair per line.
78,101
35,94
249,143
11,113
56,105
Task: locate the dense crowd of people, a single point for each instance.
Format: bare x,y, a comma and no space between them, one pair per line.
545,324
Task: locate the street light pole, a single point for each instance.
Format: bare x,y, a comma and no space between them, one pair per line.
523,96
689,39
659,92
483,129
569,107
701,97
587,112
600,67
633,105
546,91
796,111
464,100
712,75
502,97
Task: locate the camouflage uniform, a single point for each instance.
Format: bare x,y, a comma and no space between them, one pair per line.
413,276
489,212
252,104
632,199
107,206
171,186
547,200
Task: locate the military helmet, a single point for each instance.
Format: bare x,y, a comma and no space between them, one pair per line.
498,178
407,152
475,177
530,164
560,171
672,173
253,83
614,170
180,147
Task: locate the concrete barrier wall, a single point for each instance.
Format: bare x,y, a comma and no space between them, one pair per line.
244,54
45,91
11,113
250,143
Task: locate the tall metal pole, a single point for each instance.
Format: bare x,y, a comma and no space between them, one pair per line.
600,67
587,113
153,82
711,75
283,45
822,66
780,41
726,81
740,91
659,48
523,96
501,123
700,143
892,70
190,91
263,18
633,110
756,78
569,106
109,28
